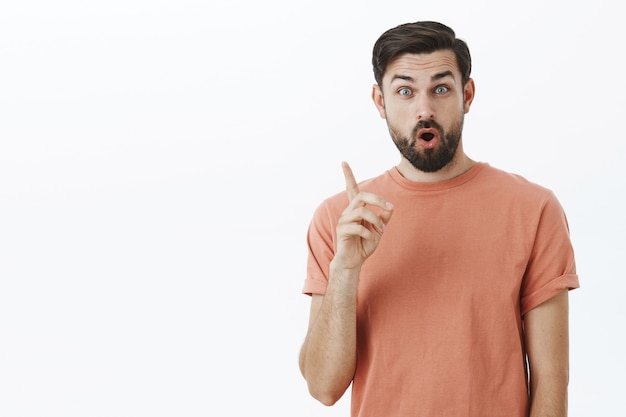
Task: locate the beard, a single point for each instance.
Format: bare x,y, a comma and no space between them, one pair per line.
429,160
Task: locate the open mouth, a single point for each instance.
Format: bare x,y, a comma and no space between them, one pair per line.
427,136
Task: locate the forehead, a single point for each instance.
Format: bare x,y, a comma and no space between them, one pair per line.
422,66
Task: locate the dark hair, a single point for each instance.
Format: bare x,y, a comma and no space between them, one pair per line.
419,38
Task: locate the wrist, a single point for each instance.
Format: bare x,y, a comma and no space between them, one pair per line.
338,268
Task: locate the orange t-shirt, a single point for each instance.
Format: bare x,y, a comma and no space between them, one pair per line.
440,302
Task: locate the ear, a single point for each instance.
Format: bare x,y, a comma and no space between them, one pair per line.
379,100
468,94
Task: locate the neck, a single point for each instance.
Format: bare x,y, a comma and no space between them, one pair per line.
459,164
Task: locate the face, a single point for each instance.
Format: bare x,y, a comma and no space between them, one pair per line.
424,102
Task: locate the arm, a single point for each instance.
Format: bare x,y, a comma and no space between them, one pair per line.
328,355
546,331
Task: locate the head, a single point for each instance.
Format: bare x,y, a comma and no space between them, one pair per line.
419,38
423,89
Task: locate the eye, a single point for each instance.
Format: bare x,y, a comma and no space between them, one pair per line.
441,89
405,92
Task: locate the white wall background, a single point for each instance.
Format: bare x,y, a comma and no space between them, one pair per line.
160,161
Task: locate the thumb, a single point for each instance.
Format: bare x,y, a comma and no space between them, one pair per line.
385,214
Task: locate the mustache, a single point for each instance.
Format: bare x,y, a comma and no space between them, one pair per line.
427,124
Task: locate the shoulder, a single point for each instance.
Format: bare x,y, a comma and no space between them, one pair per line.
512,185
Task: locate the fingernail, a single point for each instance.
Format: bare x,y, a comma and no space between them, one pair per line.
389,205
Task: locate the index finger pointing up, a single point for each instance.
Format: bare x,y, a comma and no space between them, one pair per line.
351,186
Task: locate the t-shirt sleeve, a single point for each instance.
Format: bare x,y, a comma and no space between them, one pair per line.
551,266
321,250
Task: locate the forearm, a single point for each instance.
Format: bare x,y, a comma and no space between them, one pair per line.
328,356
547,342
548,395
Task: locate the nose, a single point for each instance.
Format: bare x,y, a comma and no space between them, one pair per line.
424,108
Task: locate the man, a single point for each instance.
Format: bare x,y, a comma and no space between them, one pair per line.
438,288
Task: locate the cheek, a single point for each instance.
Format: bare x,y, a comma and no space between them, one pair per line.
400,113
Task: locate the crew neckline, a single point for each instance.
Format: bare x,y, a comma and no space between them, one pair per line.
439,185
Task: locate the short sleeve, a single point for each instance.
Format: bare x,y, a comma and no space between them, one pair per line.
320,243
551,266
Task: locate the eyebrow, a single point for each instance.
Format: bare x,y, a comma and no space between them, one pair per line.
441,75
435,77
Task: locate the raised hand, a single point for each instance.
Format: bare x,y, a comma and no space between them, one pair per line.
360,229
